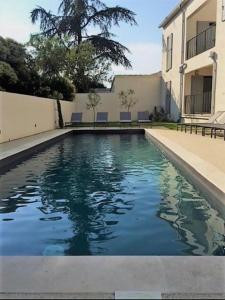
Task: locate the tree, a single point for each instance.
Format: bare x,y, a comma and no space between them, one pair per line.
8,76
15,60
32,73
127,99
93,101
72,24
53,60
50,55
59,97
94,72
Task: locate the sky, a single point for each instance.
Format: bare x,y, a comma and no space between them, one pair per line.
144,40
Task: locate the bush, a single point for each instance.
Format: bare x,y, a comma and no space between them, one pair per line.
159,115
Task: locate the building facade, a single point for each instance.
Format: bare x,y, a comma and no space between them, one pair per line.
193,60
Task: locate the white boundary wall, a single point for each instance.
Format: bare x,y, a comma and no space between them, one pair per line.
147,93
22,115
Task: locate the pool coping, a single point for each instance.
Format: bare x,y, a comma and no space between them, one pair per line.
203,175
108,275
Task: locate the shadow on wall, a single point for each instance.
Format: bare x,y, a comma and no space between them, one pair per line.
169,102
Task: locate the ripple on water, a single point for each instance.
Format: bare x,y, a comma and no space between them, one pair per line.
100,196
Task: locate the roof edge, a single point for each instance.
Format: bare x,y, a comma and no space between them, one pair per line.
173,13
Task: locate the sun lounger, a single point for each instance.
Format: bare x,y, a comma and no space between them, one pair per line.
143,117
76,118
125,118
214,128
102,118
213,120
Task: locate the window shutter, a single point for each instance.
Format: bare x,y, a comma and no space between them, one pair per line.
171,54
223,10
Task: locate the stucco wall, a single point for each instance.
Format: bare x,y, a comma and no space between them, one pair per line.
173,75
22,115
147,93
197,10
220,50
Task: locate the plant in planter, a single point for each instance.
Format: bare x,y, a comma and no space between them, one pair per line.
128,99
93,101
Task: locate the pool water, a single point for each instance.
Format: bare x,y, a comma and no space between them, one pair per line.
104,195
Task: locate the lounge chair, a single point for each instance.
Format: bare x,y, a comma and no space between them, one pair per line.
213,120
125,118
220,128
143,117
76,119
214,128
102,118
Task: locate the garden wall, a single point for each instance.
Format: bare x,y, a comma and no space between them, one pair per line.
147,92
22,115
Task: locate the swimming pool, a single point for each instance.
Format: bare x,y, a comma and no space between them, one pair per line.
105,195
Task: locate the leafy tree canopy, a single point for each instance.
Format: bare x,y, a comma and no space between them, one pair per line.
74,24
20,73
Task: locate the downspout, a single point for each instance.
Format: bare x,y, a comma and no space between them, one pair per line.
182,68
213,56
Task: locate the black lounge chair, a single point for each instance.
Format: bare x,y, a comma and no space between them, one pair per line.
102,118
214,128
212,121
76,119
218,128
125,118
143,117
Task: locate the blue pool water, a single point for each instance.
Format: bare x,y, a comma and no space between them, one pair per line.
104,195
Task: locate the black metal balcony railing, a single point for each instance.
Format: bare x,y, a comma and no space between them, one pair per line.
198,104
202,42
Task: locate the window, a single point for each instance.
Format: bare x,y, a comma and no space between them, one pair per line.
169,53
223,10
168,97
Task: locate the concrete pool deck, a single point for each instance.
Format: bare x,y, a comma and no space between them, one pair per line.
202,159
107,277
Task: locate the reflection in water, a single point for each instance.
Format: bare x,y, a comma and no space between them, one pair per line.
197,222
104,195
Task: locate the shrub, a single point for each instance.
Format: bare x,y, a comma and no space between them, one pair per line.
159,115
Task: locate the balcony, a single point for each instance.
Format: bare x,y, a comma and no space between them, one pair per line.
198,104
202,42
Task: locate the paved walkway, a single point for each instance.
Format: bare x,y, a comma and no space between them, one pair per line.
16,146
201,159
210,150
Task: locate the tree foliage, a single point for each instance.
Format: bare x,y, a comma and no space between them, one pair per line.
72,26
54,60
22,72
8,76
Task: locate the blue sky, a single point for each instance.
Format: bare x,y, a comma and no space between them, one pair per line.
144,41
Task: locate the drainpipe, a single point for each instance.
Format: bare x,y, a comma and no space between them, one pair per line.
213,56
183,66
